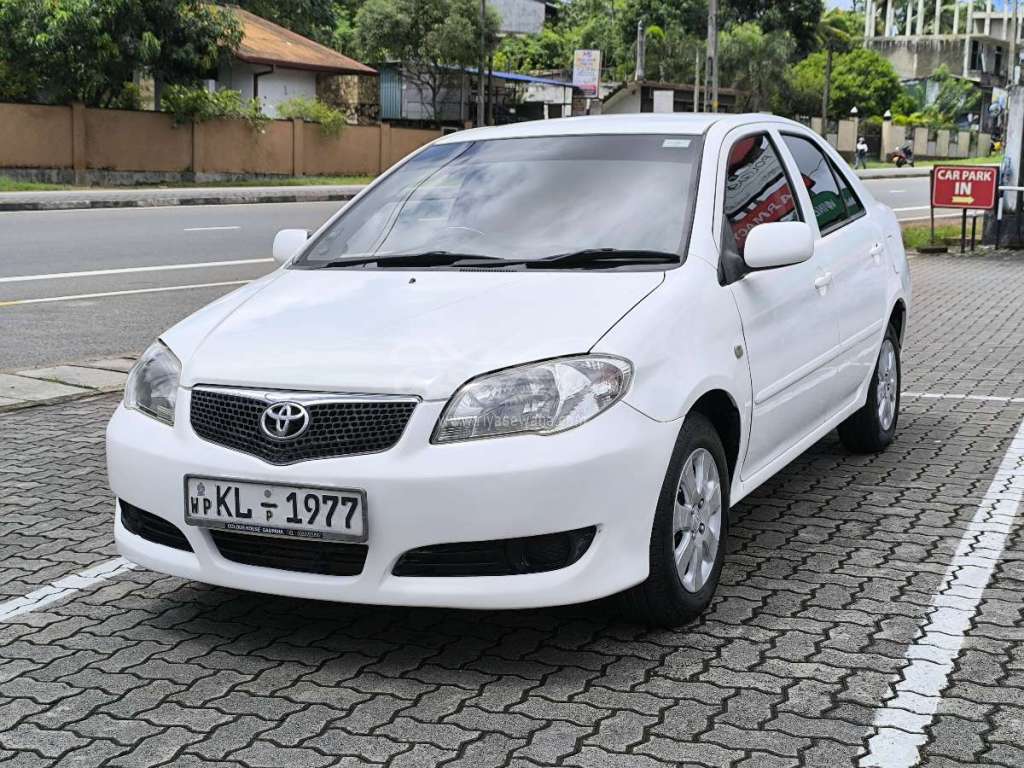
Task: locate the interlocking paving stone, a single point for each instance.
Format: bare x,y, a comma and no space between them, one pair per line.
831,571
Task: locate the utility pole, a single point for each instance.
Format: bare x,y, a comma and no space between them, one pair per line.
711,70
696,81
641,52
1014,32
481,120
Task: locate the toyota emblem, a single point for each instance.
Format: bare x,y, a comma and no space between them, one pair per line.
284,421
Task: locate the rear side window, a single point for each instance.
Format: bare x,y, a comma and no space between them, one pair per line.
833,200
757,190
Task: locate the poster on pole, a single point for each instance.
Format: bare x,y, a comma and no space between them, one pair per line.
586,72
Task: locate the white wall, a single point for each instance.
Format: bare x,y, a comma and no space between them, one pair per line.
623,103
280,85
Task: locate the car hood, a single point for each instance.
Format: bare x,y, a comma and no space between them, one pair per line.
395,331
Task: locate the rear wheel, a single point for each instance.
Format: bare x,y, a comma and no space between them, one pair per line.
873,427
690,526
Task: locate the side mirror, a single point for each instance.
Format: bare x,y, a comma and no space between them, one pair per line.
778,244
287,242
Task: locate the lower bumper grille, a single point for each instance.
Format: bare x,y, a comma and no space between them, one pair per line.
499,557
327,558
152,528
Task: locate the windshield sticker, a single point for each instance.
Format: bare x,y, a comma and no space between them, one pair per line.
676,143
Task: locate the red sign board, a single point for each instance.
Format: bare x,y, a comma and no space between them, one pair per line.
965,186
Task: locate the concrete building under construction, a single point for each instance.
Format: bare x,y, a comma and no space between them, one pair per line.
978,45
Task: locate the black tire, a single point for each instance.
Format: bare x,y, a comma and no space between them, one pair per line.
662,600
865,431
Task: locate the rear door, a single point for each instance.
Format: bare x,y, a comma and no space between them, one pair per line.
788,313
855,246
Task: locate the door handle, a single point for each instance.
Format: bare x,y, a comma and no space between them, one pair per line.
876,253
821,282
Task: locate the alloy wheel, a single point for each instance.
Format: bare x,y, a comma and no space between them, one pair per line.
697,520
888,384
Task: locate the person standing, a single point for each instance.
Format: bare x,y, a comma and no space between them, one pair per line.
861,154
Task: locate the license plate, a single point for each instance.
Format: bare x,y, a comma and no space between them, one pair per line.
276,510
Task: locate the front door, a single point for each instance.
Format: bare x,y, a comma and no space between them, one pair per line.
788,314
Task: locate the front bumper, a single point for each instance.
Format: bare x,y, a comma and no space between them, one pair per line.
607,473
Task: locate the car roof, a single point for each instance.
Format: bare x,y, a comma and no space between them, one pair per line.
686,123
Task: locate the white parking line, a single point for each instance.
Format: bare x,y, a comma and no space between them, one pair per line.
62,588
132,292
131,270
900,723
952,396
207,229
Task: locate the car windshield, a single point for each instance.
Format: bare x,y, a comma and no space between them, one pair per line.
614,198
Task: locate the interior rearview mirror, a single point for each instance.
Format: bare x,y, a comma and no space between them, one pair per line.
287,242
778,244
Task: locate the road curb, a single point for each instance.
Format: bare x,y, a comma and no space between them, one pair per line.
893,173
86,199
62,383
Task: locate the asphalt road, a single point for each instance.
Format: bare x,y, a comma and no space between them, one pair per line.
153,266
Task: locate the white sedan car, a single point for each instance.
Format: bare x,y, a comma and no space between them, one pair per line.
530,365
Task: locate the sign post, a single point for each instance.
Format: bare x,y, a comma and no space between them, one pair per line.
586,72
973,187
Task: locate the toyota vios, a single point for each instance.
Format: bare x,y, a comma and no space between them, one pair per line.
530,365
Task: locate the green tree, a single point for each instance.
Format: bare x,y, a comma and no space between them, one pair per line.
834,34
433,39
90,50
315,19
525,53
861,78
955,98
797,17
750,60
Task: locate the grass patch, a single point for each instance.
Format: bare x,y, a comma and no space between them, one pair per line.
991,160
917,235
7,184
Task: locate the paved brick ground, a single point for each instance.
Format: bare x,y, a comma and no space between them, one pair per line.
832,568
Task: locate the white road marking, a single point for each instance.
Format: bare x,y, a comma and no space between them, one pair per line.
207,229
132,270
133,292
900,723
895,191
64,587
952,396
914,208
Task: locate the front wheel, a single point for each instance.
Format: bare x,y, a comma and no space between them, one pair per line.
690,526
873,427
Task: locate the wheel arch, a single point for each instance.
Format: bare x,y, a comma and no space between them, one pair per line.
718,407
898,318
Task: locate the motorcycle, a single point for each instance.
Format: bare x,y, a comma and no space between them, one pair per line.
903,156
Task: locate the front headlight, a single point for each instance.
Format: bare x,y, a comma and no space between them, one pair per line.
152,385
540,398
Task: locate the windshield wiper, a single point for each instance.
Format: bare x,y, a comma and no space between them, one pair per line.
603,257
588,257
419,259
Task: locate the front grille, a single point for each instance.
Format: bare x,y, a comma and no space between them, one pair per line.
499,557
328,558
336,428
152,528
